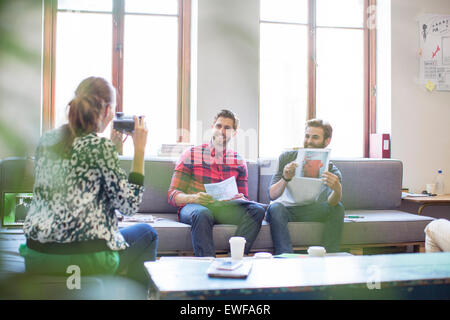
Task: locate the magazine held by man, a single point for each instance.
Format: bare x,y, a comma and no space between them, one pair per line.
307,183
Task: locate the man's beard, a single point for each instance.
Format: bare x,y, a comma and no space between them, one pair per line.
222,142
311,146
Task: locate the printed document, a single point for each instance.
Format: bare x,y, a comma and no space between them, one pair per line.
224,190
301,191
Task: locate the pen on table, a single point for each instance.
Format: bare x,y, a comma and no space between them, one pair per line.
354,217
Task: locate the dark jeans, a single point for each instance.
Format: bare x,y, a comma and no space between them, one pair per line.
247,215
279,215
143,241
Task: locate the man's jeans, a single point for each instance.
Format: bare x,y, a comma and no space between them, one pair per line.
279,215
247,215
143,241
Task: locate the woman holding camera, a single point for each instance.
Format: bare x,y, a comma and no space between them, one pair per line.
78,187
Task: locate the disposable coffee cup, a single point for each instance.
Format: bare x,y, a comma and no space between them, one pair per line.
237,245
316,251
431,187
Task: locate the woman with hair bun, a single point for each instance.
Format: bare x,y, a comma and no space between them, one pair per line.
78,187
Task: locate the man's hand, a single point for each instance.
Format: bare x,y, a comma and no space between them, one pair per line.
289,170
238,196
201,198
332,181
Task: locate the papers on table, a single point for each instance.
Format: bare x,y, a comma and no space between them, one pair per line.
224,190
143,218
414,195
139,218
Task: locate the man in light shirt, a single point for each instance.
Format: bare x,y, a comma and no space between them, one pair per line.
327,207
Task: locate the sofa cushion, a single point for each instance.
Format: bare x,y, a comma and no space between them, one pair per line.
371,183
253,180
158,174
267,168
384,226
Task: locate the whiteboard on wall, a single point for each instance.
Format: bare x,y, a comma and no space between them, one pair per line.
434,30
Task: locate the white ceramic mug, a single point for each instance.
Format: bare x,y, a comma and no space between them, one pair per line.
237,245
316,251
431,187
263,255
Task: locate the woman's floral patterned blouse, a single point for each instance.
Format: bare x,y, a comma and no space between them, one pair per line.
75,197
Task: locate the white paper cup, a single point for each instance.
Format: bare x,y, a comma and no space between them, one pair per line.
316,251
237,245
431,187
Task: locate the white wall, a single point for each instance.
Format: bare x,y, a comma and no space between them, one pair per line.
420,119
228,68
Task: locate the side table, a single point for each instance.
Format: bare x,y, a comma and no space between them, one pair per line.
441,200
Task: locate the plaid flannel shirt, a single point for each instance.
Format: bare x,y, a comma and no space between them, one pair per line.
199,165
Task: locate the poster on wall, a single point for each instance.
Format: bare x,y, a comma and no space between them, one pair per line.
434,32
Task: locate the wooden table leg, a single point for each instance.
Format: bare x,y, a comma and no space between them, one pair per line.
421,208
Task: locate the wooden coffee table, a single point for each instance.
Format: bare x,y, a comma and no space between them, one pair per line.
441,200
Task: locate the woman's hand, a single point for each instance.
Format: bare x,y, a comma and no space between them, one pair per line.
139,140
139,135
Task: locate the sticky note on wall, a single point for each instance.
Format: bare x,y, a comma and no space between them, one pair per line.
430,86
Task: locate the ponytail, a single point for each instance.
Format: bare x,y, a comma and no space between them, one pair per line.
91,97
84,114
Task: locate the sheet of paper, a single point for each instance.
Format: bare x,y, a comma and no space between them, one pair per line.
434,43
304,190
300,191
224,190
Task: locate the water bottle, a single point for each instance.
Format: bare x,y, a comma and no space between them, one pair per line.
439,181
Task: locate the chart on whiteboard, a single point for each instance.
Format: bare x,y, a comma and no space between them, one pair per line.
435,51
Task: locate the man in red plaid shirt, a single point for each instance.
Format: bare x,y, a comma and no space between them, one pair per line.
211,163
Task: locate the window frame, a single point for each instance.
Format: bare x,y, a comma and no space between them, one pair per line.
118,15
369,105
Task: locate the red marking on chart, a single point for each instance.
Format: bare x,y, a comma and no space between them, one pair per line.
437,50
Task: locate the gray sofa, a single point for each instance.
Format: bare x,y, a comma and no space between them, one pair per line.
371,189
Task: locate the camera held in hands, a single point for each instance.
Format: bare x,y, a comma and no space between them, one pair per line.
123,123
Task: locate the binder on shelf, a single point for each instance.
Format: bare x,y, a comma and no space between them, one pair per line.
380,145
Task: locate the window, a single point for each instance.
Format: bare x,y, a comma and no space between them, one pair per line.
316,60
141,47
283,74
